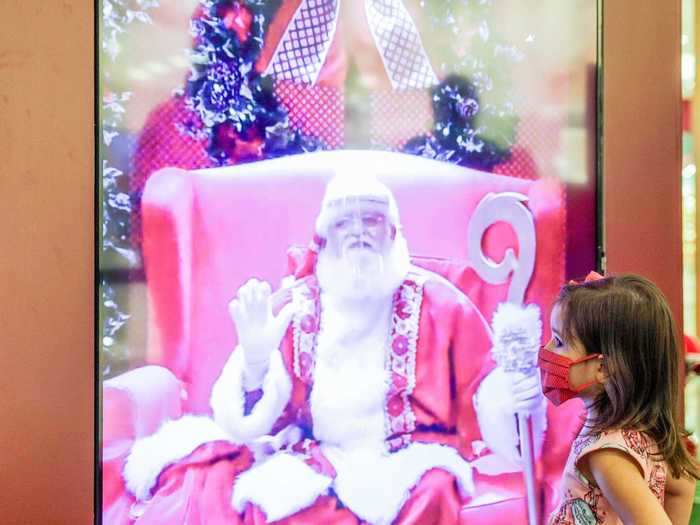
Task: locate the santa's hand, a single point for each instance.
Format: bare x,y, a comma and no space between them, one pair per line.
259,331
526,391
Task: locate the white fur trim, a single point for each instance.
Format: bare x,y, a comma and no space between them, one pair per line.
172,442
495,412
280,486
228,399
376,485
517,331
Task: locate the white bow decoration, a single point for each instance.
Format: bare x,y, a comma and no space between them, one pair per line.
304,46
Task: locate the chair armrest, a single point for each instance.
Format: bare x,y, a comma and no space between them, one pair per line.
134,404
137,402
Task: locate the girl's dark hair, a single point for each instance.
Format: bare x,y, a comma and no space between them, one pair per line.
628,320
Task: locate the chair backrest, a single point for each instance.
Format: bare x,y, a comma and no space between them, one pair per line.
206,232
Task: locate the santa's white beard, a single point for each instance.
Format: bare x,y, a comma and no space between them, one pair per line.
363,274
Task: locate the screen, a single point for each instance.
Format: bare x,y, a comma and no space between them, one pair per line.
331,233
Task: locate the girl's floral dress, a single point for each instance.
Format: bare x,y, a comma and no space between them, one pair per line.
584,504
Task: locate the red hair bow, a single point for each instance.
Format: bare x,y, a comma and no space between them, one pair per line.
592,276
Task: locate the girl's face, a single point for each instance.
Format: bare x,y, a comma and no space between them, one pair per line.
579,373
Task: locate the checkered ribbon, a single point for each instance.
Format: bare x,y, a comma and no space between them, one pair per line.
305,44
399,45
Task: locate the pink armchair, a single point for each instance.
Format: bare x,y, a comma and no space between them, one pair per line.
206,232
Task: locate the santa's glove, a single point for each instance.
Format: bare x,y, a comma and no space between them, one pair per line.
259,330
513,387
528,400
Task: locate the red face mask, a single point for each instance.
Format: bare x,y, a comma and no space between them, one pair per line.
554,370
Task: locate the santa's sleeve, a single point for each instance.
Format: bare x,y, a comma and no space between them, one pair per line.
471,363
247,415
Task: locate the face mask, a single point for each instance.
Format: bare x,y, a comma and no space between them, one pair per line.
554,370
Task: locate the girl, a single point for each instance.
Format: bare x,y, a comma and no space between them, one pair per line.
614,346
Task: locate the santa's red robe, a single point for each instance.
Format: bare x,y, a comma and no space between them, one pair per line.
260,459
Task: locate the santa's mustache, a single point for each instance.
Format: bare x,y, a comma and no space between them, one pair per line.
363,275
357,242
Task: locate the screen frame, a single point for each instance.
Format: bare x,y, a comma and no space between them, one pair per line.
52,397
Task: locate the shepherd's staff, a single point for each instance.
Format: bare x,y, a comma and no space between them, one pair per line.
517,332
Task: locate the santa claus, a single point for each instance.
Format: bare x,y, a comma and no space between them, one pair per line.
363,391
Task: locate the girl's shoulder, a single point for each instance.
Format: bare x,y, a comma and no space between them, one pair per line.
633,442
630,441
636,445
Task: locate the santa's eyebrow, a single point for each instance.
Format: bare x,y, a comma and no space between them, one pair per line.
359,198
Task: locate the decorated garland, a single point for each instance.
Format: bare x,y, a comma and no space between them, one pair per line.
235,109
457,136
236,112
474,121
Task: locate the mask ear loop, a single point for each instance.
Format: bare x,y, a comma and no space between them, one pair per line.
583,387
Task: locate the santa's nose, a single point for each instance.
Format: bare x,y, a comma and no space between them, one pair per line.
356,226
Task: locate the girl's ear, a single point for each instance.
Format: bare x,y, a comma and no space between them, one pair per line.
601,373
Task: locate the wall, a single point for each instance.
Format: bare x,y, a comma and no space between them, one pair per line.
46,265
642,142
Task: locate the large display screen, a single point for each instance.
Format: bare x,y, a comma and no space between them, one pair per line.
331,232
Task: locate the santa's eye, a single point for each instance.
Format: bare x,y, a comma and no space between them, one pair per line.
372,220
342,223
